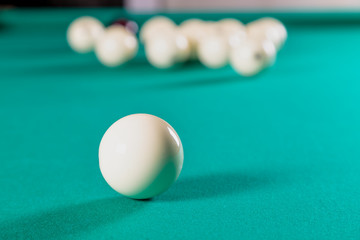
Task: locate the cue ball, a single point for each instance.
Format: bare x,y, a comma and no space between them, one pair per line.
140,156
252,56
116,46
83,32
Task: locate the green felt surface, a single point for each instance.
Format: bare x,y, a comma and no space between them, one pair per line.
275,156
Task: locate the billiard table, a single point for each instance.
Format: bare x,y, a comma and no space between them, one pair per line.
274,156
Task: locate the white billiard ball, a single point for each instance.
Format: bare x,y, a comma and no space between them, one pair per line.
140,156
83,32
192,29
269,28
197,31
252,56
154,26
228,26
191,25
233,30
166,49
213,51
116,46
183,47
211,27
205,29
236,38
160,51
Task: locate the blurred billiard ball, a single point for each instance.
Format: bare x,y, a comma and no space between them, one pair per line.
128,24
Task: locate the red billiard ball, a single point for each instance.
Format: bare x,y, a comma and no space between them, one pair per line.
129,25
